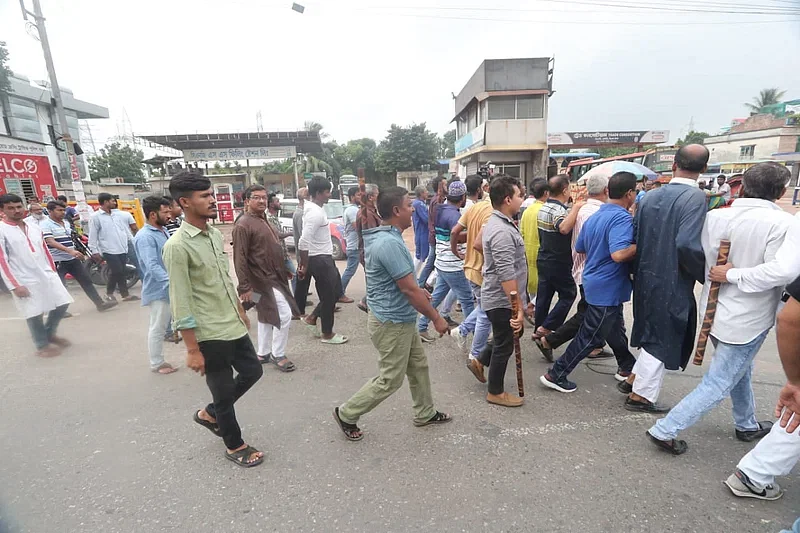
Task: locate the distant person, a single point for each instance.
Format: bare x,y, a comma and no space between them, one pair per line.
27,270
539,189
474,191
368,218
71,213
175,216
301,285
395,299
271,214
722,189
207,312
439,187
351,241
35,213
420,220
149,244
109,239
669,261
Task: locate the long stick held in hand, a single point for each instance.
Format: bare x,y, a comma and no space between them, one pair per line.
711,307
517,349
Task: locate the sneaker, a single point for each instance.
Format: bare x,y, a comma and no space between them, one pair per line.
461,340
622,375
450,322
426,337
743,487
562,385
764,427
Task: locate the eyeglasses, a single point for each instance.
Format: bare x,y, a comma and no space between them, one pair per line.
259,198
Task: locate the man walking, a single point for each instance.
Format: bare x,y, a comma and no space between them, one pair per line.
351,241
149,243
207,312
301,285
259,260
316,260
395,298
554,262
109,239
29,272
367,218
439,187
597,190
763,259
529,229
449,266
669,261
57,234
607,242
504,271
420,220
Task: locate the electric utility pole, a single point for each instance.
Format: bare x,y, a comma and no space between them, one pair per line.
55,90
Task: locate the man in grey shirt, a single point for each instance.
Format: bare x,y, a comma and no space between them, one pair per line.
505,270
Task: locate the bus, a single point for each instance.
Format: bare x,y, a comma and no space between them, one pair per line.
576,169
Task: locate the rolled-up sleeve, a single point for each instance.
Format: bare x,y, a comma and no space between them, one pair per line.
180,288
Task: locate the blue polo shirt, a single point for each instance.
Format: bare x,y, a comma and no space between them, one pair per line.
386,260
605,282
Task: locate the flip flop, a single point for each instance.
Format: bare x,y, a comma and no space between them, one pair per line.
166,366
213,428
347,429
313,329
240,456
336,339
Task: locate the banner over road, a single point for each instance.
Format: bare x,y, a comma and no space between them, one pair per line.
605,138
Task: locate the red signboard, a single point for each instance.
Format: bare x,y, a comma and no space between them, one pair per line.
23,174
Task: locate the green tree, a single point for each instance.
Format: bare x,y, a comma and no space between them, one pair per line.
5,72
447,145
117,161
765,97
355,154
693,137
408,148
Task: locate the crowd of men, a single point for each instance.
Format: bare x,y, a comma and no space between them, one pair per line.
485,244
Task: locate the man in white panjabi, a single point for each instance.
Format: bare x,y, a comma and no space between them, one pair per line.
29,272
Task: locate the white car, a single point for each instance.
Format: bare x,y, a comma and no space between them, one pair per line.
335,211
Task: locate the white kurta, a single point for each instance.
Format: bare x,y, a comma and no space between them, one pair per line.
25,261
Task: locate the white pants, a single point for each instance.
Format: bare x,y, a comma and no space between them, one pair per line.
160,316
272,340
774,455
649,376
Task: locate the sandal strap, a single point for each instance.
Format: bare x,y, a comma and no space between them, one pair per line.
243,454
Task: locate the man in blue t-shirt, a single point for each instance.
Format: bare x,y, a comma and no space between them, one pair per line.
607,241
394,300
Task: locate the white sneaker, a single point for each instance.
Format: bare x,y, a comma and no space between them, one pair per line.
461,340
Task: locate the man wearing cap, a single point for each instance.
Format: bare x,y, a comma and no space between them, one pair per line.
449,266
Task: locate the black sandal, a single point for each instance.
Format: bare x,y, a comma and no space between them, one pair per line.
288,366
240,457
351,431
438,418
213,428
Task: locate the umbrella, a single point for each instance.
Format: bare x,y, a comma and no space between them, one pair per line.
607,170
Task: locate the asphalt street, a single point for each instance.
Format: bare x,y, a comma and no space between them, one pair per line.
94,442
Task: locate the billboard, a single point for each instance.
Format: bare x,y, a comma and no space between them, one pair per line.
471,140
605,138
25,170
240,154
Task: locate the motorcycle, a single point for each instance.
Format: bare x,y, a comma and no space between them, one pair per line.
99,271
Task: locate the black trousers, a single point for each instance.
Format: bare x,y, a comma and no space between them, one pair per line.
554,278
502,348
116,277
77,270
329,288
570,328
221,358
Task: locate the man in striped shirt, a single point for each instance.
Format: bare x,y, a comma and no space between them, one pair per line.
175,216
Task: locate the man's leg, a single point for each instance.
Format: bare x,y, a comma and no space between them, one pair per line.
328,282
449,301
352,265
649,377
53,320
301,292
482,325
116,276
394,350
774,455
439,292
502,349
570,328
459,287
597,321
544,297
78,272
40,338
744,403
265,332
729,364
159,319
419,380
617,340
280,337
428,268
221,358
565,287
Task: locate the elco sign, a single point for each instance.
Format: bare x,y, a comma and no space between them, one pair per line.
18,165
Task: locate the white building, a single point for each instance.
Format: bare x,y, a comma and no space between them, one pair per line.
757,138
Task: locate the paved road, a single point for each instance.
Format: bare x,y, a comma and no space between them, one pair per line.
94,442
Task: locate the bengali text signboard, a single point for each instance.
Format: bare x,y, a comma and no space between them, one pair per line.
240,154
600,138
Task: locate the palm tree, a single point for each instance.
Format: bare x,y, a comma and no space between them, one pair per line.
310,125
765,97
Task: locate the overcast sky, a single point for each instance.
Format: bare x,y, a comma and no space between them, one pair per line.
180,66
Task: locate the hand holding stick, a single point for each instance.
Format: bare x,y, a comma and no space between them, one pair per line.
515,309
711,306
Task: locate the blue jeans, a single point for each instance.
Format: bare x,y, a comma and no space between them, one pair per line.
730,374
427,270
353,257
292,268
42,331
455,281
476,323
449,302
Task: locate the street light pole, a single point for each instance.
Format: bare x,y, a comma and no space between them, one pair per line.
77,186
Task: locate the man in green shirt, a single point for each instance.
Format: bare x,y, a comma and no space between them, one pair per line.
208,313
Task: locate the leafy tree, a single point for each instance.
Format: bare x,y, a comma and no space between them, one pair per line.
310,125
447,145
765,97
5,72
407,148
693,137
355,154
117,161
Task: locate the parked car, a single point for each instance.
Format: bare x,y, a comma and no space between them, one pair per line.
335,211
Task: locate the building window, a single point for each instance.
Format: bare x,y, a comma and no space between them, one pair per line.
502,108
472,113
747,152
530,106
511,170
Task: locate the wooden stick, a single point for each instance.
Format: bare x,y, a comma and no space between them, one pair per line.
711,306
515,305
